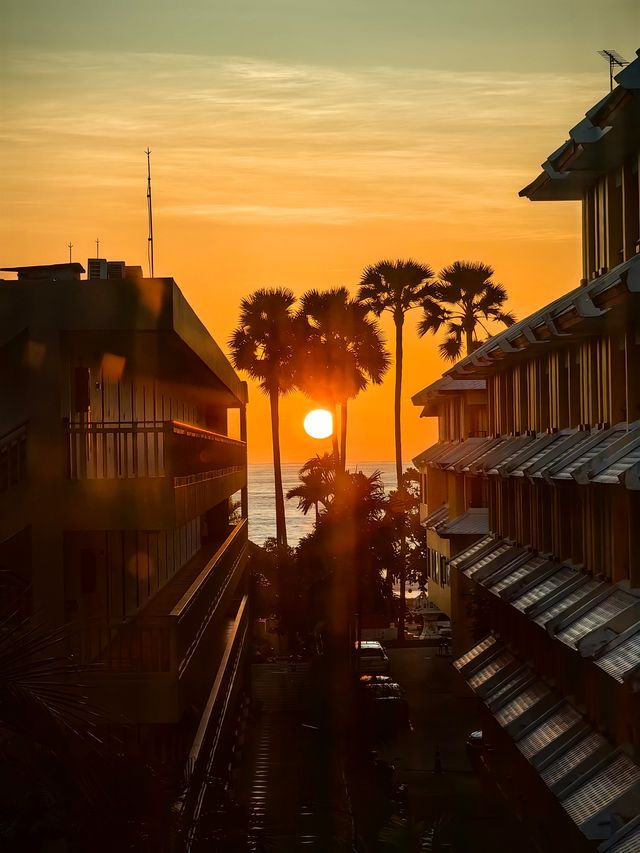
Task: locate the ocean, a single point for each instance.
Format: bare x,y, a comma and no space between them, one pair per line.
262,516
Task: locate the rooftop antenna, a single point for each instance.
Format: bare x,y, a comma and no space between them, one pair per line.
615,61
97,247
70,246
149,211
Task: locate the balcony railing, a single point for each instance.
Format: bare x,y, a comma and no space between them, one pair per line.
13,457
136,449
167,642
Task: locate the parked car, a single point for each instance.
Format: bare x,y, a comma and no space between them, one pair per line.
372,657
383,707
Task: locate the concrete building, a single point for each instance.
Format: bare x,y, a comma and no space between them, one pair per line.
551,593
116,474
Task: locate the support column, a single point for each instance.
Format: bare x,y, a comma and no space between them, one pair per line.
244,494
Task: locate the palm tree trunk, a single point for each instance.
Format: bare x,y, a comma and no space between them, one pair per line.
468,331
343,435
334,440
281,524
399,321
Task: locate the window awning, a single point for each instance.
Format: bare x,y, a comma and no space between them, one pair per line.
517,446
459,450
516,465
578,457
625,840
564,598
573,629
473,522
613,789
502,584
501,553
438,516
546,733
622,661
431,452
517,713
477,549
470,660
463,463
545,588
509,446
571,762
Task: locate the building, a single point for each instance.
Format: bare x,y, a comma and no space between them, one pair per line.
116,474
552,591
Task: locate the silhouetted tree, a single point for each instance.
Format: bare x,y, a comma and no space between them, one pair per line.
264,345
397,287
317,484
343,352
463,297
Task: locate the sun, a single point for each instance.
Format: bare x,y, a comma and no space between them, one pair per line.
319,423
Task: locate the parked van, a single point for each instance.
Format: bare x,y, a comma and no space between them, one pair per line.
373,657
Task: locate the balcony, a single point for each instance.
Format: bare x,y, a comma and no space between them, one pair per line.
150,474
155,664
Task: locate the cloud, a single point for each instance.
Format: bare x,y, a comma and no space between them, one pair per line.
251,140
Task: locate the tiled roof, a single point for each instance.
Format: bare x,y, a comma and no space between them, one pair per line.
583,749
548,730
518,572
585,588
547,586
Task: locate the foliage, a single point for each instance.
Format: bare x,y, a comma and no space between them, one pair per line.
343,352
397,287
462,298
317,484
265,346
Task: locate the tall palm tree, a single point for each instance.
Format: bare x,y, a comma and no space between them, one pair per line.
344,352
396,287
464,296
317,484
264,345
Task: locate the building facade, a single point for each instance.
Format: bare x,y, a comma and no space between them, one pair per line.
117,471
551,593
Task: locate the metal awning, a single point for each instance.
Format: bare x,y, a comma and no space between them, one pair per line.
513,574
517,447
437,517
564,443
608,465
501,551
463,463
573,629
563,600
550,729
458,450
623,660
603,792
510,714
469,553
431,452
465,661
508,446
577,458
625,840
570,761
496,665
473,522
545,588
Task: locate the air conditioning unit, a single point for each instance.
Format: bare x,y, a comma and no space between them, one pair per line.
96,268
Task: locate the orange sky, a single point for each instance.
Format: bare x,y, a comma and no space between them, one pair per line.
275,165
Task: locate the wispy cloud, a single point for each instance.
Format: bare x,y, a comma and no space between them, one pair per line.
242,139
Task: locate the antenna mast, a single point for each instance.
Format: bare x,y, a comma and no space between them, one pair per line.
615,60
150,213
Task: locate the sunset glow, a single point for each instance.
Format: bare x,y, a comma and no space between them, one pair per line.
319,423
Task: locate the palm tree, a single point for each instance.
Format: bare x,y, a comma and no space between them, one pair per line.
344,352
463,297
264,345
317,484
396,287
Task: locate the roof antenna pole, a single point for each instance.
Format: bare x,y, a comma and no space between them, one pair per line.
70,245
97,247
149,211
615,60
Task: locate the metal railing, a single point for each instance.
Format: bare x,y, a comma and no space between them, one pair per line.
134,449
13,457
164,643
